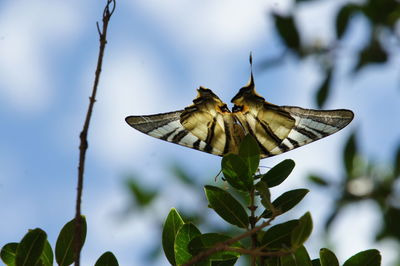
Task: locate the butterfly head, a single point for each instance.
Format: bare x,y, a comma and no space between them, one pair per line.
208,99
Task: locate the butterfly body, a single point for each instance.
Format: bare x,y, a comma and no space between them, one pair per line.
208,125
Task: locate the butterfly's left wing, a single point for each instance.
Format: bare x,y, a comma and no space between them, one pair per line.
278,129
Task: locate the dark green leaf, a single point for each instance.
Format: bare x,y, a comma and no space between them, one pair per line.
300,257
370,257
142,196
390,226
30,248
286,201
264,193
318,180
343,18
47,256
227,206
288,31
316,262
207,241
350,152
328,258
249,151
301,233
279,236
374,53
236,172
107,259
223,262
65,245
8,252
278,173
397,162
324,88
185,234
171,227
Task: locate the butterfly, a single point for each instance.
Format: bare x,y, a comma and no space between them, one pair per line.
209,126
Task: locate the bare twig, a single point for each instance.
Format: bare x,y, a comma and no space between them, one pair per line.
224,245
107,13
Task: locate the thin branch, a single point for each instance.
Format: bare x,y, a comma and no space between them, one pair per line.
257,252
253,220
107,13
223,245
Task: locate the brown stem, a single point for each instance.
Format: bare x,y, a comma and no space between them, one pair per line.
223,245
107,13
253,221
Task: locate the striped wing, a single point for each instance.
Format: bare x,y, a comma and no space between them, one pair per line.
167,127
279,129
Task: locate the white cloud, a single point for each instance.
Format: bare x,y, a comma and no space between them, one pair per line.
29,32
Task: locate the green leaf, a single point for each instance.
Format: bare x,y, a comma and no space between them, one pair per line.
30,248
374,53
318,180
300,257
278,173
279,236
328,258
286,201
47,256
65,245
343,18
350,152
223,262
249,151
185,234
236,172
316,262
397,162
264,193
302,232
143,197
370,257
107,259
324,88
171,227
227,206
288,31
8,252
207,241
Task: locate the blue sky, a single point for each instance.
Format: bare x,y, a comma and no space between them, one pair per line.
158,53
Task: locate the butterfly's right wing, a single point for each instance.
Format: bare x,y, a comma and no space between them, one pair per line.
168,127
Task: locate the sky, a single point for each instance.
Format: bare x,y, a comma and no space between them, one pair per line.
158,53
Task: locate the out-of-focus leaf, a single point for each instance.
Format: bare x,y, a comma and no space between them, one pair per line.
279,236
277,174
223,262
300,257
316,262
171,227
382,12
8,252
142,196
107,259
343,18
318,180
286,201
227,206
302,231
324,88
264,193
374,53
328,258
30,248
249,151
179,172
47,256
370,257
390,225
185,234
349,155
236,172
287,30
65,245
397,163
207,241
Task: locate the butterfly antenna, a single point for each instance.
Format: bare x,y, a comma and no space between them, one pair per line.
251,82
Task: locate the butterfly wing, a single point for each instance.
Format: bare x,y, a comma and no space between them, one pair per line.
278,129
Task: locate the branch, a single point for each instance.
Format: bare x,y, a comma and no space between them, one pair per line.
224,245
107,13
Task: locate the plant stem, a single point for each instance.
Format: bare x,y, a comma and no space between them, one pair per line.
107,13
253,220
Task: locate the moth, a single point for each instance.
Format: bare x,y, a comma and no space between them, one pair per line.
209,126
